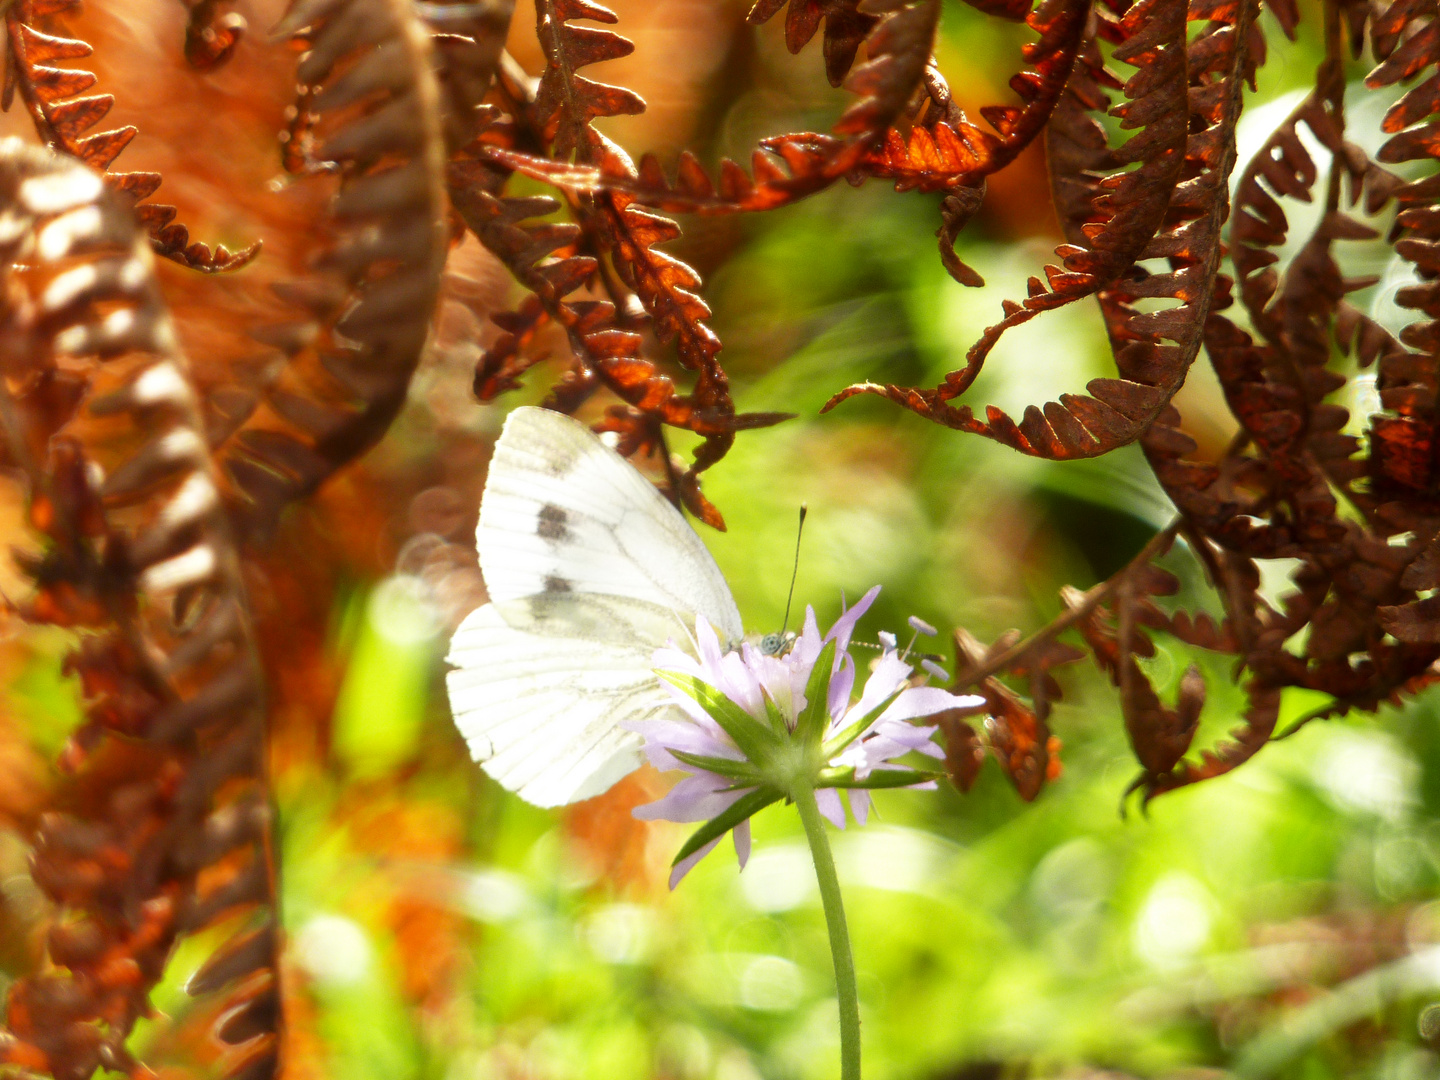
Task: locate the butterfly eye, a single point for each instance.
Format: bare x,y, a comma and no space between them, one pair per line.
777,644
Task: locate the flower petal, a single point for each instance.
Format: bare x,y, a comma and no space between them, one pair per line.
696,798
777,675
831,807
842,684
925,701
807,646
685,865
692,736
709,647
741,836
670,658
845,625
859,804
888,676
738,682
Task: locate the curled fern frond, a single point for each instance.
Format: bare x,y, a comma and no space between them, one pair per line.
362,320
542,258
161,826
547,260
1121,226
946,153
63,114
665,286
1159,734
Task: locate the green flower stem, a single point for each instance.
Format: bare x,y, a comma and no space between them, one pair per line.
804,796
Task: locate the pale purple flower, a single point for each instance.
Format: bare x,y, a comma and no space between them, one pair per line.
766,687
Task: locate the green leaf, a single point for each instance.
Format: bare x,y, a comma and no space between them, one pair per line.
736,770
755,740
810,728
841,740
879,778
722,823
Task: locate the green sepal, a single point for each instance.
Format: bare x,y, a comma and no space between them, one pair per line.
878,778
810,727
777,718
722,823
838,742
755,740
736,770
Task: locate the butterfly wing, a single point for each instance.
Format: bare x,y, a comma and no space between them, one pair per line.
540,686
589,570
563,513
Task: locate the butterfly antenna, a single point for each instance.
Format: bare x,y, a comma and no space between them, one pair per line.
794,573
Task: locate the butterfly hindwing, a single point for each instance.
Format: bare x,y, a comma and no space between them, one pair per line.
563,513
541,712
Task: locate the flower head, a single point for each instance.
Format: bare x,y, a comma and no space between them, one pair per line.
752,726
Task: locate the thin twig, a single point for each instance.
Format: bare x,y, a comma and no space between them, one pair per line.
1091,599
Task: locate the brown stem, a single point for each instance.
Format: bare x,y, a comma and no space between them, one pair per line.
1091,599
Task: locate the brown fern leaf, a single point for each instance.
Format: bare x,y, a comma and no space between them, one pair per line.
953,155
1118,410
500,366
899,48
667,287
1203,632
62,116
789,167
1277,389
468,40
542,258
964,752
1408,380
953,152
1245,742
1160,735
211,33
565,101
364,317
948,154
565,104
1401,34
1015,732
846,26
1125,409
161,826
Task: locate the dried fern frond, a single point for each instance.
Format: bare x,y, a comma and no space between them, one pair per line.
542,257
1122,227
161,827
55,97
368,82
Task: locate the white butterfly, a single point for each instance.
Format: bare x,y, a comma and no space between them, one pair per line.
589,571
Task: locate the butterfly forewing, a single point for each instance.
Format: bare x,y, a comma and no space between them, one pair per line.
563,513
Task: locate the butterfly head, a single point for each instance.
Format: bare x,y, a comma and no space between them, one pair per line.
777,644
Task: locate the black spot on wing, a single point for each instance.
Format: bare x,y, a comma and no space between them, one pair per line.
558,467
551,525
556,584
